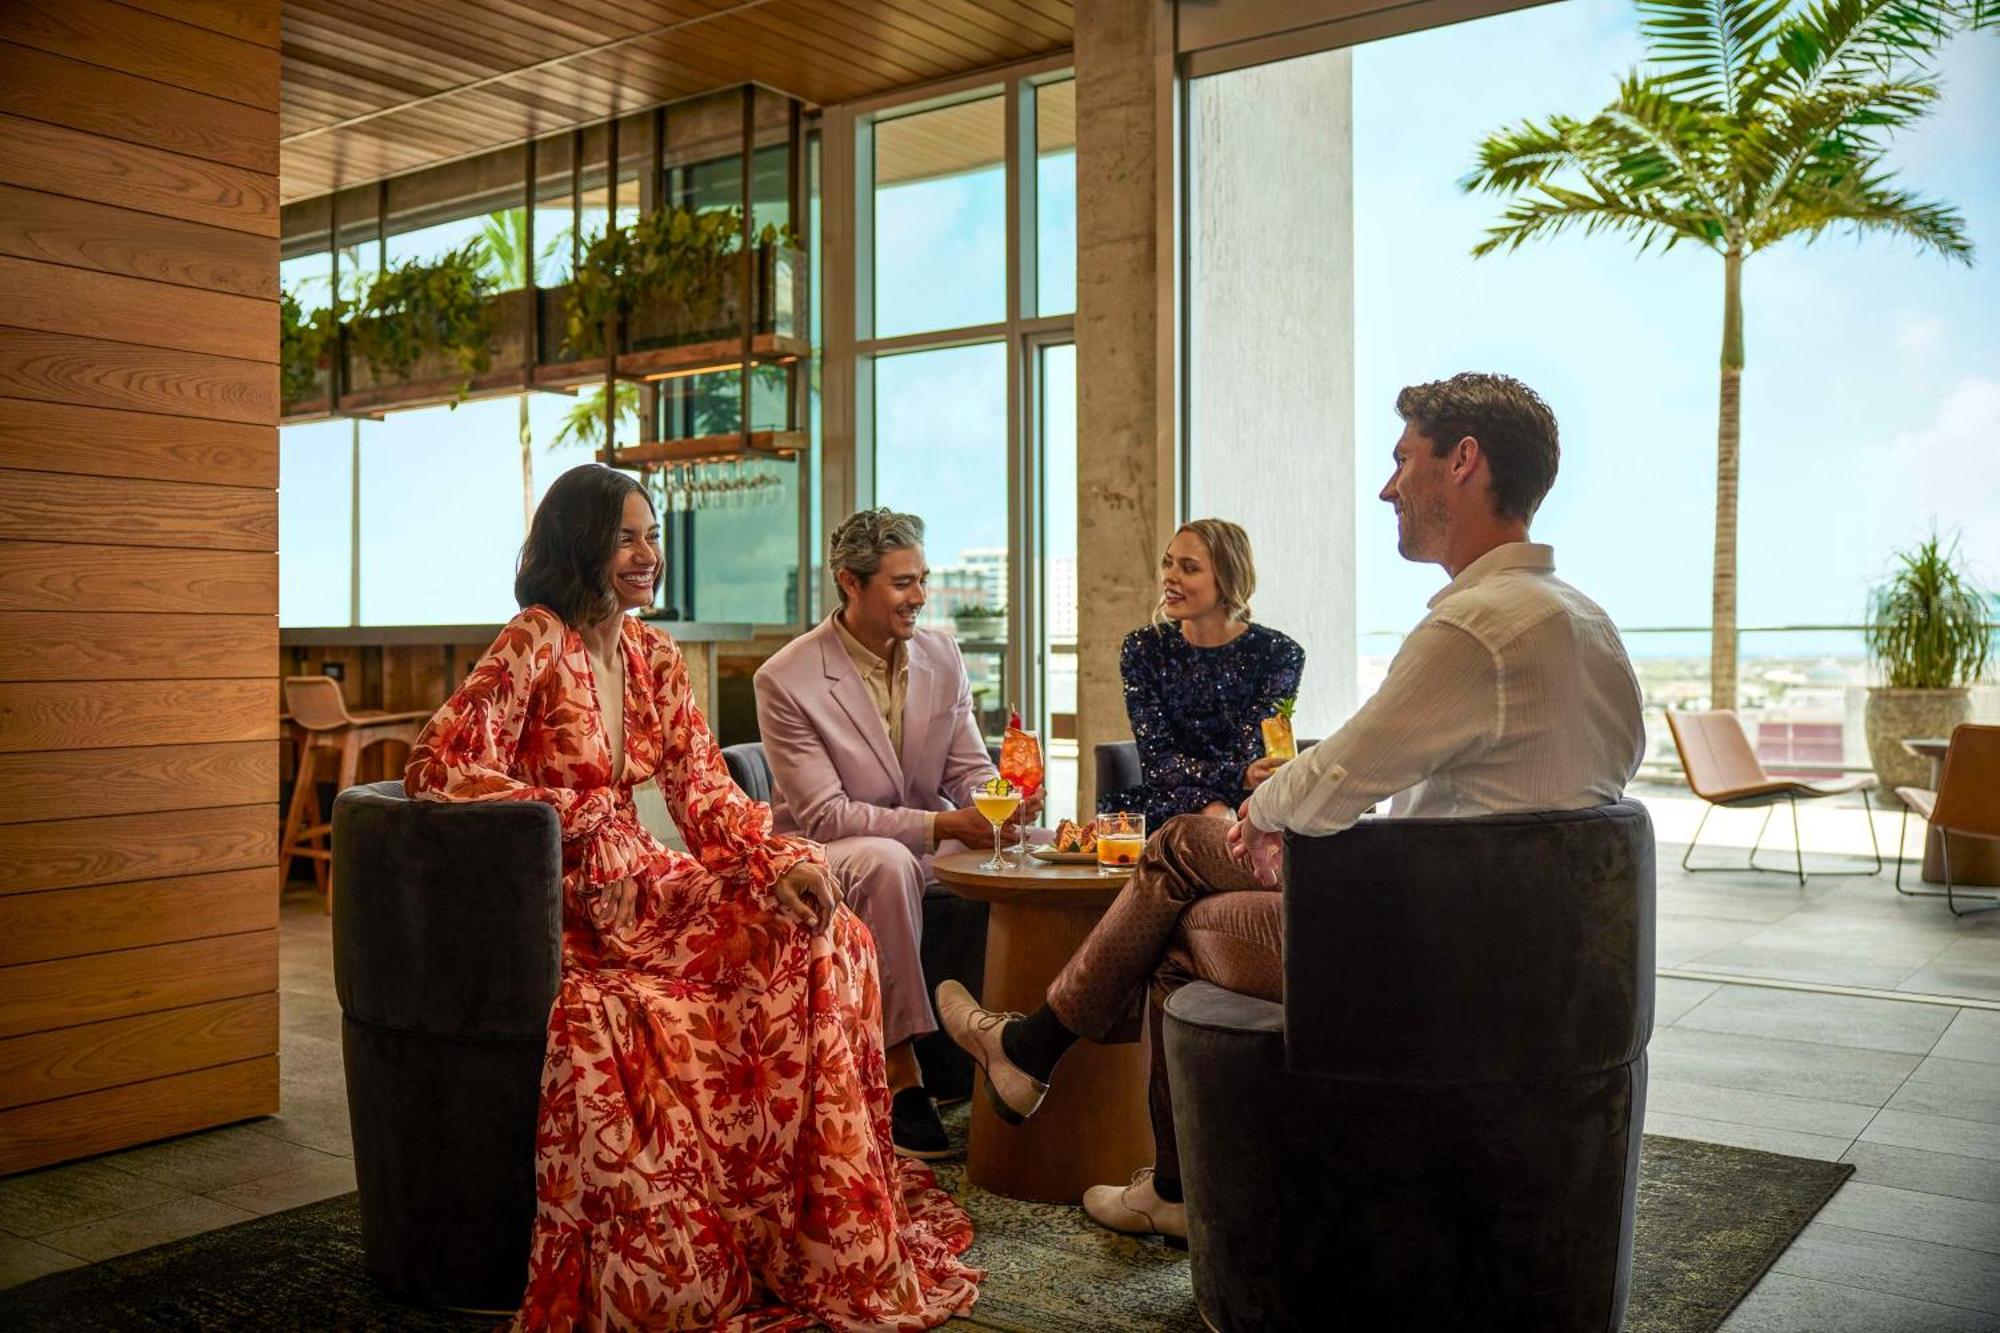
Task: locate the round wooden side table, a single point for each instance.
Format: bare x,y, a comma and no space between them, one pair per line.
1093,1129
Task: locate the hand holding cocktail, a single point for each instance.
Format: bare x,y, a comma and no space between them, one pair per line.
1280,746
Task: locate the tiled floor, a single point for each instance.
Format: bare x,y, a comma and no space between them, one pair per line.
1906,1090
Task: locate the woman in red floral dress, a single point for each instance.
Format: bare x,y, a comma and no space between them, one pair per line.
713,1148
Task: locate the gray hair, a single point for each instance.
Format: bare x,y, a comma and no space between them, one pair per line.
861,541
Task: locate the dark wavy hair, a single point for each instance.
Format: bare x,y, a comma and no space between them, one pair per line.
571,542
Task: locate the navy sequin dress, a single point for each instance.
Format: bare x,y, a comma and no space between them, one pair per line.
1195,713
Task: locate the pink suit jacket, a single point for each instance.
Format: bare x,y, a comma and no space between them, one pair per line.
834,773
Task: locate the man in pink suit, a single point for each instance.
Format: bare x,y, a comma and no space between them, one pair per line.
868,726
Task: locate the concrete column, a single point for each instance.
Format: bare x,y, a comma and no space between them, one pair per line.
1127,483
1271,348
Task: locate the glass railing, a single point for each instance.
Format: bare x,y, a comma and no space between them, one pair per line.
1801,690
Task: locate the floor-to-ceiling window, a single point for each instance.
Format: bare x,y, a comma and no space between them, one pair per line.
964,373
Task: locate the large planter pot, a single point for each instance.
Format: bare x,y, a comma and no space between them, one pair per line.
1895,716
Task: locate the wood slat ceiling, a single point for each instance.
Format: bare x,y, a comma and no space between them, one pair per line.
373,88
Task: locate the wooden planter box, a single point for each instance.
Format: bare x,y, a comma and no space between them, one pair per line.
666,338
662,339
437,377
315,406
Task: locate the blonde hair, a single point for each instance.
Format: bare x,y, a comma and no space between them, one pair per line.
1229,556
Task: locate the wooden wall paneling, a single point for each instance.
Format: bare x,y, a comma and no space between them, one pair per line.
64,437
345,657
55,299
115,849
77,784
103,101
89,645
35,997
78,233
96,1122
138,570
103,714
122,511
59,368
413,676
48,157
371,675
66,923
255,21
51,576
67,1061
165,50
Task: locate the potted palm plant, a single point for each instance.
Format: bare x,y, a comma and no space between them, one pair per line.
1929,633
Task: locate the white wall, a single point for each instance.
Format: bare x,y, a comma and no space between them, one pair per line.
1271,348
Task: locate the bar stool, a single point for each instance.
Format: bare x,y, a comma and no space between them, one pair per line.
325,725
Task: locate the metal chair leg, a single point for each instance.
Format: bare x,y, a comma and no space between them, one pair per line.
1902,840
1706,811
1944,852
1874,843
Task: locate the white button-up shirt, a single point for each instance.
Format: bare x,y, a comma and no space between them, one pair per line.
1513,694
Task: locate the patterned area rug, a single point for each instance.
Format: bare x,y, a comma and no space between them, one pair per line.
1711,1219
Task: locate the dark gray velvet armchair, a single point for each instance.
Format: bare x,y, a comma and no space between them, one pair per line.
1439,1128
447,949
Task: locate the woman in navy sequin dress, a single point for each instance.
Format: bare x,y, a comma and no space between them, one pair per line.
1199,682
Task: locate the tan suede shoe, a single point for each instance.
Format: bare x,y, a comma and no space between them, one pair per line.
1014,1093
1137,1210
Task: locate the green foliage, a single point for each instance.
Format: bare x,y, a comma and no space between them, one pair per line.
1928,625
417,309
1760,120
676,255
584,422
305,348
503,236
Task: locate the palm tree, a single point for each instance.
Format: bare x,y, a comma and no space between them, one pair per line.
584,422
505,234
1760,121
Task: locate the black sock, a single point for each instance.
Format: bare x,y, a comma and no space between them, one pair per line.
1169,1189
1036,1042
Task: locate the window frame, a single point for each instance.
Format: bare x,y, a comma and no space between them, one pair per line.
851,347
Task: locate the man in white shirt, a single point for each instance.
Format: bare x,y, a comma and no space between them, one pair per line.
1513,694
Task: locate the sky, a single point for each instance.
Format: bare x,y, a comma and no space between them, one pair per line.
1871,393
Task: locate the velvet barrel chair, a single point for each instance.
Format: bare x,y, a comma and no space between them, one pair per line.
447,950
1439,1126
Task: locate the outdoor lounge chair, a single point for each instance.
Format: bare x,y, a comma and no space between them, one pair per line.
1723,770
1965,805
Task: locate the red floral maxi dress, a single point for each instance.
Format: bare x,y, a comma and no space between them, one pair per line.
713,1147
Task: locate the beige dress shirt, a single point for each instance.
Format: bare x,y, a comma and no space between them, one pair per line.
1513,694
888,684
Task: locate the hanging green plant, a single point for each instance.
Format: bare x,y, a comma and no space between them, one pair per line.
421,309
674,255
305,348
